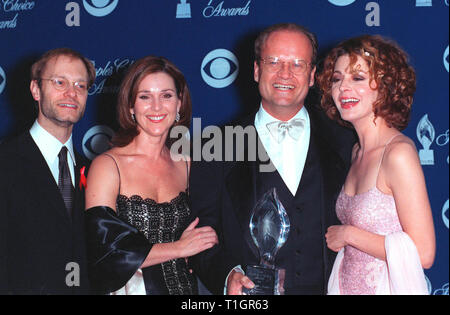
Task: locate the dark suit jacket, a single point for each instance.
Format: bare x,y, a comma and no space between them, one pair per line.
223,195
38,239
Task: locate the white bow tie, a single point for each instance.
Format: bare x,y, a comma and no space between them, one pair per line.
294,128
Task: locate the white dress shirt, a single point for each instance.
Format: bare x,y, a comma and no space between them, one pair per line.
50,148
289,155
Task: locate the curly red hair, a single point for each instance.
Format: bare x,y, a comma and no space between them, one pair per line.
394,78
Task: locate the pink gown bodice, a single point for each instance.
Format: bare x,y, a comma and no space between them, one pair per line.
372,211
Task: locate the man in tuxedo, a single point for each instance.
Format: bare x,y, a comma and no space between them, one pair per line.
42,248
311,156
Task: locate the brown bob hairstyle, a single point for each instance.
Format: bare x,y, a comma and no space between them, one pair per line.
39,66
394,78
128,93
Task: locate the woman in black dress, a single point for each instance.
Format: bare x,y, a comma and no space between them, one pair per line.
139,236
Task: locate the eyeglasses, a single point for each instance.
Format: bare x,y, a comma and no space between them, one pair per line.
62,84
274,64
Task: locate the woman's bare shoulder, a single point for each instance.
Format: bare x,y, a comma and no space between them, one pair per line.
401,148
401,158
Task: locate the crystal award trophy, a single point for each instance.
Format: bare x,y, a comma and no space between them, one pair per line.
269,227
426,134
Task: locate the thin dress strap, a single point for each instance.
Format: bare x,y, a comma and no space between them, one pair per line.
187,175
382,156
117,166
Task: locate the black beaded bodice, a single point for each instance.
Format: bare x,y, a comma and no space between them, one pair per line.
161,223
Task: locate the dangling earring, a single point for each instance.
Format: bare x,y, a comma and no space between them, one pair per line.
134,118
177,117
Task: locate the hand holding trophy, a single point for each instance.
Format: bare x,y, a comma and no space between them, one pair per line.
269,227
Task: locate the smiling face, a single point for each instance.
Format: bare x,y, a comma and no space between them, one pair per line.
283,93
156,104
352,90
60,108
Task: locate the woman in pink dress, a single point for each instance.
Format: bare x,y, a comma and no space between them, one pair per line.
387,233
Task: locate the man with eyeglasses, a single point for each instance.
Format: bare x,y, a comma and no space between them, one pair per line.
311,161
42,245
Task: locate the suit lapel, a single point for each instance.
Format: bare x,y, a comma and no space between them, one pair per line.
310,162
42,179
241,182
331,171
241,185
246,183
332,167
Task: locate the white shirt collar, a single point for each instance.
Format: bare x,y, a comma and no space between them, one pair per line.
262,118
49,145
289,156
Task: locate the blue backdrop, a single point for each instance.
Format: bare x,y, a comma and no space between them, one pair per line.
211,41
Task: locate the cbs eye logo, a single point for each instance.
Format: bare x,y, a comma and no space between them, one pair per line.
96,141
219,68
341,3
445,213
2,80
445,57
100,7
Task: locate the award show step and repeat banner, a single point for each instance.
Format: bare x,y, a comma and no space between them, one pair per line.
211,41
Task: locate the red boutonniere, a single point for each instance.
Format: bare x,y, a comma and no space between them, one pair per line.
83,180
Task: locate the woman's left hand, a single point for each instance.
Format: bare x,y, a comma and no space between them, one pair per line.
336,237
